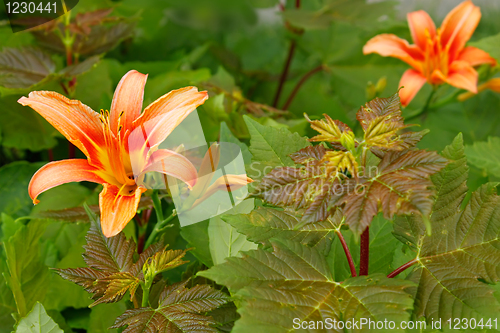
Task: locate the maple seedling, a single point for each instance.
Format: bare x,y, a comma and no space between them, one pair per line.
381,172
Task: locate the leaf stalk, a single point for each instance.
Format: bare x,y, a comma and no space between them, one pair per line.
352,267
402,268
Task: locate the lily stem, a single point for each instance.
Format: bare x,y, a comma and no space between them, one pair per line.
402,268
299,85
364,256
161,222
347,253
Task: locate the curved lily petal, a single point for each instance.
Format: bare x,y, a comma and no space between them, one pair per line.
422,27
117,210
161,117
61,172
461,75
227,183
388,45
127,98
475,56
458,27
412,81
173,164
76,121
208,166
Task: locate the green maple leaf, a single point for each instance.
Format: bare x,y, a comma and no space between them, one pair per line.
294,281
456,263
263,224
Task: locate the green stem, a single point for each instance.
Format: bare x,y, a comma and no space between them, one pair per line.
161,222
426,107
145,294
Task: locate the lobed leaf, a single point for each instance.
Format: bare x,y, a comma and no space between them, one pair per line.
330,130
401,186
264,224
485,155
294,281
457,262
270,147
381,120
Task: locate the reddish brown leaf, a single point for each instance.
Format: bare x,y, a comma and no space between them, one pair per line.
309,154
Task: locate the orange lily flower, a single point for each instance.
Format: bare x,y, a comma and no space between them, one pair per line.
120,145
438,56
203,190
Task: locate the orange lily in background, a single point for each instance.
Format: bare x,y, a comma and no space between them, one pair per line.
203,190
114,158
438,56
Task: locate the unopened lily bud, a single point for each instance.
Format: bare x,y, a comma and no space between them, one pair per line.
492,84
381,84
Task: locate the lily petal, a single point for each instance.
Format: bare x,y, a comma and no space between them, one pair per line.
389,45
117,210
461,75
475,56
127,98
161,117
208,166
458,27
173,164
76,121
412,81
227,183
422,27
60,172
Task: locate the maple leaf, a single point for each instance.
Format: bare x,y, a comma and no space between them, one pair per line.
179,310
330,130
111,270
382,120
458,261
264,224
401,185
294,281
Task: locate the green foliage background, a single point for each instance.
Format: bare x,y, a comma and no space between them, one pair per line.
236,50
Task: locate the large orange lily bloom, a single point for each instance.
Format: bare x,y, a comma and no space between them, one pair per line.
438,56
120,145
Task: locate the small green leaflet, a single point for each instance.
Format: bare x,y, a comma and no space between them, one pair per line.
38,321
485,155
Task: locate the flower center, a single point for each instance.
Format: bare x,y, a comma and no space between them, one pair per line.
116,154
436,59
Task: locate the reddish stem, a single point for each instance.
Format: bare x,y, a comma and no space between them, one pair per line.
297,3
299,85
140,243
401,268
284,74
364,256
347,253
51,155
